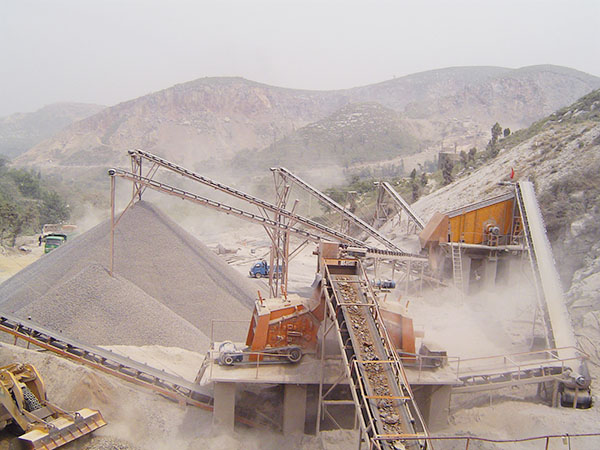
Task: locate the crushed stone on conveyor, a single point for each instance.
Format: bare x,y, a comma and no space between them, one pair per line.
378,379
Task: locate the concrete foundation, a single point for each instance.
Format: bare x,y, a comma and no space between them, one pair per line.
466,269
224,406
490,268
434,403
294,408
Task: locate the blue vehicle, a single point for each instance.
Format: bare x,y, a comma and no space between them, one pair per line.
261,269
383,284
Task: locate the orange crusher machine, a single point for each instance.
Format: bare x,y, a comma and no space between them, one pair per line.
284,329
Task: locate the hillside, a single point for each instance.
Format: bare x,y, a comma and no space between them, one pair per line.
357,133
19,132
561,155
484,95
207,120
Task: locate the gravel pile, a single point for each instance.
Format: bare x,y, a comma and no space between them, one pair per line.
99,309
153,253
106,443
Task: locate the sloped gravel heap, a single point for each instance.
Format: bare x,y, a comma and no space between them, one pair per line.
103,310
156,255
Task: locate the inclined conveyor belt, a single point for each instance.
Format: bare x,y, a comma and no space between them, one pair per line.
322,230
141,374
330,203
403,205
243,196
547,279
388,411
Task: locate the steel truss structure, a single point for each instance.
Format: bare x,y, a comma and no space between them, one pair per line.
388,199
278,222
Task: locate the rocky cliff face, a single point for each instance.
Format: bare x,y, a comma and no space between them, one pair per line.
515,98
217,118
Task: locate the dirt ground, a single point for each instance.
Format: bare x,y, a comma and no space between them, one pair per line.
13,260
488,323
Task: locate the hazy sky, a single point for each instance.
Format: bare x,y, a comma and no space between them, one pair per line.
108,51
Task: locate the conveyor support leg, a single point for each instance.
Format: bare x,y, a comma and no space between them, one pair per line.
224,407
436,406
294,408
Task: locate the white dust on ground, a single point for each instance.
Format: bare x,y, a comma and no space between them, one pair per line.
138,419
13,260
173,360
517,419
134,414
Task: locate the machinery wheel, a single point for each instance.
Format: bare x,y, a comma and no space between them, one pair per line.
228,360
584,399
30,401
258,275
294,355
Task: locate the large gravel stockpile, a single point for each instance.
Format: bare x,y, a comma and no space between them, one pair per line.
103,310
156,255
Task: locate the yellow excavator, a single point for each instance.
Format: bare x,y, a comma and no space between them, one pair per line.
24,404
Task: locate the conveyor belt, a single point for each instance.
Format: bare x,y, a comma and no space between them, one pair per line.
171,386
388,412
324,232
547,280
329,202
243,196
402,204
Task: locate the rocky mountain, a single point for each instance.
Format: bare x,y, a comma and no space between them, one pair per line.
514,97
561,155
209,118
357,133
212,119
19,132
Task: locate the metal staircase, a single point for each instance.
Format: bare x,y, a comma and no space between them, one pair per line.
457,269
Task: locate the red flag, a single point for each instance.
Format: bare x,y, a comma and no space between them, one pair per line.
512,173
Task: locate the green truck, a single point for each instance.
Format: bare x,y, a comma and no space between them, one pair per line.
53,240
55,234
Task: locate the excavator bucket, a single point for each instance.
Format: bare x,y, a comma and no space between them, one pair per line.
63,429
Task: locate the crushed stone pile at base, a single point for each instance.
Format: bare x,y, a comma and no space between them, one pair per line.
99,309
156,255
